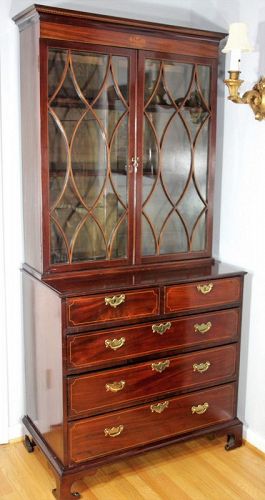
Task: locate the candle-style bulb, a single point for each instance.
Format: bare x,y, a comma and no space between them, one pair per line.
237,42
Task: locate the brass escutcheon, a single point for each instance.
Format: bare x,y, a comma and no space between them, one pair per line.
159,407
115,386
203,327
115,344
160,366
205,288
113,431
200,409
161,328
201,367
115,301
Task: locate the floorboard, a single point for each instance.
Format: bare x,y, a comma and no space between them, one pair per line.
197,470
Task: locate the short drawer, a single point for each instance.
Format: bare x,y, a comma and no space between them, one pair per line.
94,393
112,307
202,294
110,347
117,431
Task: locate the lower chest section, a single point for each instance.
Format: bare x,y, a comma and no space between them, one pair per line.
143,366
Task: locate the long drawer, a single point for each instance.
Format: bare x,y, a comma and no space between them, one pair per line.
111,389
112,307
122,430
110,347
202,294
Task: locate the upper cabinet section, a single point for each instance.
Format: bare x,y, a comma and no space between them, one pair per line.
89,142
118,137
175,183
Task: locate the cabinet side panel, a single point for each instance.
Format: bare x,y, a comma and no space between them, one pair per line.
30,134
43,361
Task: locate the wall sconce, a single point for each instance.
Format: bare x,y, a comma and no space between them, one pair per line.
238,42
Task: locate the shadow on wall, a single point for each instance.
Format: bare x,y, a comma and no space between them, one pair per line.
165,11
242,402
260,47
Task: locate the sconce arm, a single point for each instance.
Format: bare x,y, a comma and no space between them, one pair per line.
255,97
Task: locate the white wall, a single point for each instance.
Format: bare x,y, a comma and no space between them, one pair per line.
11,325
239,228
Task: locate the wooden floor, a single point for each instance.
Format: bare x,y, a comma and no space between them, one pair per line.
195,470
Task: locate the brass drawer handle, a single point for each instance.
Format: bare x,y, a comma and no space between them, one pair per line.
115,386
201,367
159,407
160,366
200,409
115,344
205,288
113,431
161,328
114,301
203,327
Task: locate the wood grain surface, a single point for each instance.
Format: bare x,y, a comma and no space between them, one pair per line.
198,469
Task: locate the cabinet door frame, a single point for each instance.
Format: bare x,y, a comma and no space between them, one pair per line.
132,58
212,63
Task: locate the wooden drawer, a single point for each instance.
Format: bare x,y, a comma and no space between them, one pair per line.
112,307
117,431
112,347
202,294
110,389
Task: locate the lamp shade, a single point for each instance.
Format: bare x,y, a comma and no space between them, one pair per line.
237,39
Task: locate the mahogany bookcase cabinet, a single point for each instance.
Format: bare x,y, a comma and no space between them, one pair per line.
131,329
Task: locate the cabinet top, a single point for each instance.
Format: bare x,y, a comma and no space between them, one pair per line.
84,284
67,16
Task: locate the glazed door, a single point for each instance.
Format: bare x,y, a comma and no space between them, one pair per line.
90,146
176,136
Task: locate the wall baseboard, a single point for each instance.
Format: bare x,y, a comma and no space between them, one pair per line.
15,432
255,440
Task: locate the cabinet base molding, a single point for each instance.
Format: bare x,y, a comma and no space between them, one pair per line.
65,477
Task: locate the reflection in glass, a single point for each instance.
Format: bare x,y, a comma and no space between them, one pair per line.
88,154
175,157
174,236
58,159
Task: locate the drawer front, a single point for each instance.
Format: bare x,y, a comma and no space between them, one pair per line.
116,346
110,389
202,294
105,435
112,307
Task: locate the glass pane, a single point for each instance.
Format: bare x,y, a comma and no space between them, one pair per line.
69,212
88,149
121,75
203,73
175,157
201,160
150,159
89,244
199,234
173,238
57,60
108,213
89,159
148,240
109,108
152,69
59,253
90,71
119,241
177,79
190,207
58,158
119,160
